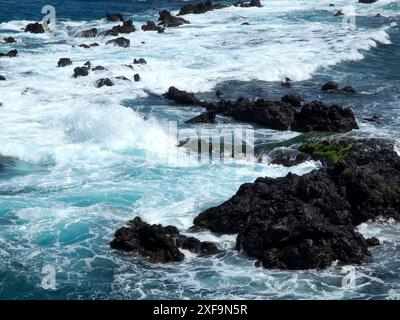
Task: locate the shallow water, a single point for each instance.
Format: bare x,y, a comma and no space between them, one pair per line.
77,162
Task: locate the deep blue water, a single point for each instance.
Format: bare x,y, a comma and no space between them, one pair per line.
74,160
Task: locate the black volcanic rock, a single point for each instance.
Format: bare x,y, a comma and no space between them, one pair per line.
158,243
120,42
114,17
181,97
139,61
34,28
151,26
2,78
199,8
332,86
205,117
292,99
168,20
9,40
308,222
126,27
136,77
10,54
63,62
91,33
104,82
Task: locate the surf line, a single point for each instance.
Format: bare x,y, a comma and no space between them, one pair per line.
175,311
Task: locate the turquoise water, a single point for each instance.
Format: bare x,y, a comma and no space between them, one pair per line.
77,162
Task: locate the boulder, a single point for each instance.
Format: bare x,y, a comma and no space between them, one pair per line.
63,62
104,82
205,117
114,17
127,27
139,61
316,116
308,222
2,78
136,77
9,40
293,99
199,8
10,54
168,20
91,33
158,243
99,68
181,97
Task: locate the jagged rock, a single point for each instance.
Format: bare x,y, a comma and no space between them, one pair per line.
91,33
199,8
80,72
252,3
181,97
34,28
114,17
303,222
332,86
63,62
120,42
168,20
205,117
158,243
9,40
99,68
288,157
151,26
104,82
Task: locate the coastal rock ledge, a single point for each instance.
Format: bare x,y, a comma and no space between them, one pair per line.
309,221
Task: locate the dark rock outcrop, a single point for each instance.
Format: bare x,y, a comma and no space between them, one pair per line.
151,26
199,8
34,28
136,77
168,20
9,40
63,62
332,86
91,33
292,99
367,1
181,97
303,222
104,82
99,68
120,42
2,78
252,3
139,61
158,243
287,157
114,17
80,72
205,117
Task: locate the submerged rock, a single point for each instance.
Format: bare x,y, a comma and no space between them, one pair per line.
168,20
158,243
139,61
304,222
34,28
332,86
181,97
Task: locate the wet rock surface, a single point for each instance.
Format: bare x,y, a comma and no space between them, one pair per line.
168,20
304,222
158,243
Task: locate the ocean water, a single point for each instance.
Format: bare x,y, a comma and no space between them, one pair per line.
75,164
